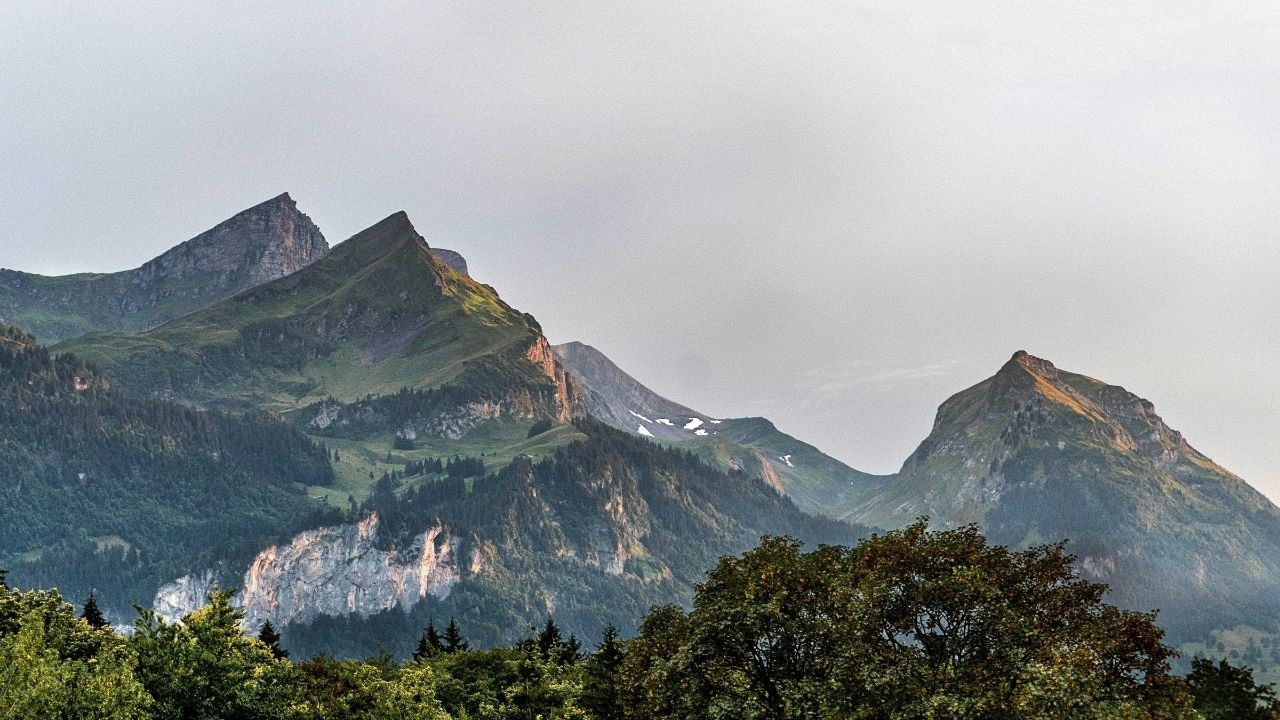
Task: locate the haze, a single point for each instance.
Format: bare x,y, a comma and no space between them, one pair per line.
831,215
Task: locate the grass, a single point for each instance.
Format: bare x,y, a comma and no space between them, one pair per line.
498,442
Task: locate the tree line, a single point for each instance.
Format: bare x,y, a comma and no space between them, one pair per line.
912,624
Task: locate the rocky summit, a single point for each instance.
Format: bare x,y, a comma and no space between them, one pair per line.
1036,454
265,242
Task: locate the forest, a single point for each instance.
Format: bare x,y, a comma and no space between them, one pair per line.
909,624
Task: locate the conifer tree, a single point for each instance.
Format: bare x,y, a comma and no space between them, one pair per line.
453,640
429,644
601,691
92,614
271,638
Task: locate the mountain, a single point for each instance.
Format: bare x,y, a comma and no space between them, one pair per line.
815,481
1036,454
267,241
595,533
376,316
103,491
466,478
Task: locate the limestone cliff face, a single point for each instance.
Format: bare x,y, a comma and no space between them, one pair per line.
267,241
339,570
568,396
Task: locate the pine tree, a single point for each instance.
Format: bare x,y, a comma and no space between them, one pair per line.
601,690
271,639
92,614
453,640
550,642
429,644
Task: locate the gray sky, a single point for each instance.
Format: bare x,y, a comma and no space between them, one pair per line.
833,215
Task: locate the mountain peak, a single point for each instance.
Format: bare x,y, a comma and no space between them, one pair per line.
264,242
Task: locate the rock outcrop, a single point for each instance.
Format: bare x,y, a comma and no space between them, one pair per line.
265,242
336,571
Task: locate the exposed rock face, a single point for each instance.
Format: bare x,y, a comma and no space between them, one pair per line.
265,242
184,595
817,482
622,401
338,570
567,394
452,260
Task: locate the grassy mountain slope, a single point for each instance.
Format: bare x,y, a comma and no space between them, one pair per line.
267,241
108,492
378,314
817,482
1035,454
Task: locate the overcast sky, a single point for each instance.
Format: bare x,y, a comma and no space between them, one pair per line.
832,215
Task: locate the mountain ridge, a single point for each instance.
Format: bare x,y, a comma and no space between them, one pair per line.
1037,454
266,241
816,481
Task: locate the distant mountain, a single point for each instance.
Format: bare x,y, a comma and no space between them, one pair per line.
265,242
376,316
1036,454
817,482
103,491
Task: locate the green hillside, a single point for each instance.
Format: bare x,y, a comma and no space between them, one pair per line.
108,492
1036,454
376,315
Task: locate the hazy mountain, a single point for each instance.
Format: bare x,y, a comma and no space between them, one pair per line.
817,482
1035,454
267,241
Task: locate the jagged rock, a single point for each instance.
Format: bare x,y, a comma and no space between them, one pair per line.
265,242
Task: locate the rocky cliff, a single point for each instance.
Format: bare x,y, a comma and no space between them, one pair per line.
337,571
267,241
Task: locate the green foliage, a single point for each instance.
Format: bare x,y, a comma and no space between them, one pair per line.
540,427
108,493
602,675
1223,691
53,665
205,667
912,624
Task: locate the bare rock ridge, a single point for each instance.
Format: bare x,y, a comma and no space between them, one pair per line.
265,242
452,260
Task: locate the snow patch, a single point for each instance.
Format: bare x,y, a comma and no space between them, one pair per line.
692,424
665,421
699,432
644,431
716,422
786,459
633,412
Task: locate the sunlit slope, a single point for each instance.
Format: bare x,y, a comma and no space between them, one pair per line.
379,314
1035,454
